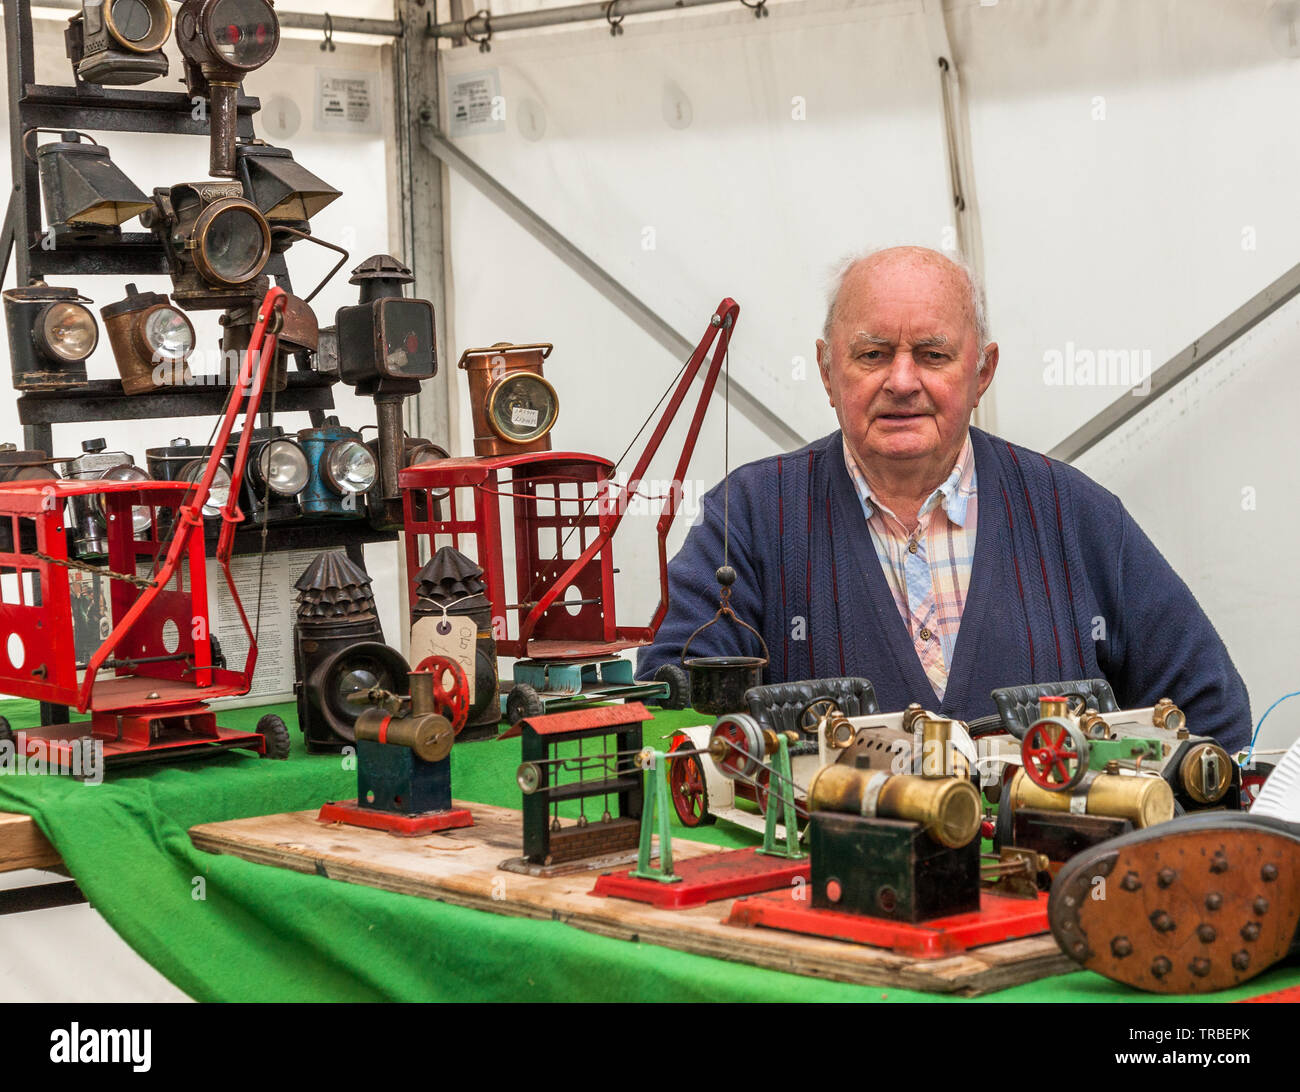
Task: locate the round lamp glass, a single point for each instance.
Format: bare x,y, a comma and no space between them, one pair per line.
69,332
169,335
284,468
350,467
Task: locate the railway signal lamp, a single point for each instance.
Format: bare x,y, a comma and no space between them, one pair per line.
217,243
87,197
339,654
514,406
278,472
51,333
119,41
87,515
181,461
151,339
222,41
386,349
343,471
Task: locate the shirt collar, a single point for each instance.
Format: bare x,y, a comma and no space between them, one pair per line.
954,493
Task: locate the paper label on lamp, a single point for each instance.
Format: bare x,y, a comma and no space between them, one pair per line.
347,102
524,417
455,636
474,103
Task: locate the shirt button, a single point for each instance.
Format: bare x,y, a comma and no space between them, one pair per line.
911,547
924,634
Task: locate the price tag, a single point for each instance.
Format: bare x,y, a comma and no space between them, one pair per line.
523,416
455,637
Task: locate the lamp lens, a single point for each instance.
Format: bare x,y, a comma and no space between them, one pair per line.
351,466
169,335
140,517
132,19
244,31
218,494
69,332
284,467
233,245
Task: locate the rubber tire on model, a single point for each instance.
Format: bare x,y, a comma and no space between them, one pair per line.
273,730
523,701
6,732
679,686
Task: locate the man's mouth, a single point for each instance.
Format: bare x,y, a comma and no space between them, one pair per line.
900,416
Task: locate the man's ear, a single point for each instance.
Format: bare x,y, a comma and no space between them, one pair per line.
990,366
824,367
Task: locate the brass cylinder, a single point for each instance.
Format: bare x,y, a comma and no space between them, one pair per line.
1144,801
421,690
1052,706
429,736
948,808
936,736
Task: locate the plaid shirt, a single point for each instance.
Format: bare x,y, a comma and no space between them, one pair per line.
929,570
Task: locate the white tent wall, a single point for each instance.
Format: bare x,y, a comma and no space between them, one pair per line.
361,165
1133,184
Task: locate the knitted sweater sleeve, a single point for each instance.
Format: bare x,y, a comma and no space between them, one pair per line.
693,589
1162,644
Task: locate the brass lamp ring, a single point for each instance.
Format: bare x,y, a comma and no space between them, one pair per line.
203,225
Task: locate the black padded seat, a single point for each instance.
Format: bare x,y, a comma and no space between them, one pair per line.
778,706
1018,705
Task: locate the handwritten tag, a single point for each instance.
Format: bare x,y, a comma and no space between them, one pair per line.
454,636
523,417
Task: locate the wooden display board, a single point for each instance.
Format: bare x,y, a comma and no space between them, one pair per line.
461,867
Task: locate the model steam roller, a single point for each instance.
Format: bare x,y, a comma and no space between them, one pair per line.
159,652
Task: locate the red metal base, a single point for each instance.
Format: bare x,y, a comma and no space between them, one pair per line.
60,739
707,879
998,918
409,826
1288,996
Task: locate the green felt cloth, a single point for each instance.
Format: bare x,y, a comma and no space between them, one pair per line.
263,933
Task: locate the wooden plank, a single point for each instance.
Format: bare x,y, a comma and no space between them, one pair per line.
22,845
461,867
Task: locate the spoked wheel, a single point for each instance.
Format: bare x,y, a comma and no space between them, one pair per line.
689,792
1055,755
1251,782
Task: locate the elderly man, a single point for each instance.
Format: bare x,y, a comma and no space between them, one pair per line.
930,557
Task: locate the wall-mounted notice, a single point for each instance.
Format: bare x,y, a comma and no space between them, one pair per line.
474,103
347,102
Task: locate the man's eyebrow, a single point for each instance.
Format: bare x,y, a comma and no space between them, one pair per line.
862,338
934,341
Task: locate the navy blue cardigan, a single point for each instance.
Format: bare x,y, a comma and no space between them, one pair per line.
1065,585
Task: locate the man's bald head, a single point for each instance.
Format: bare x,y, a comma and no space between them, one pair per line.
857,274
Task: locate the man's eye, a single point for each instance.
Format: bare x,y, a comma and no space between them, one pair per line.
935,357
872,355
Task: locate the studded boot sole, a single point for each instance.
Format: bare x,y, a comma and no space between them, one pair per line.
1198,904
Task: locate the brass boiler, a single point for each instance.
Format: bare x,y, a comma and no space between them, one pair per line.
947,807
1142,800
424,730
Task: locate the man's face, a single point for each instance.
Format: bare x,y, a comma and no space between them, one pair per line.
901,368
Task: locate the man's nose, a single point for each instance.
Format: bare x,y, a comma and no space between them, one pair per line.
904,376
